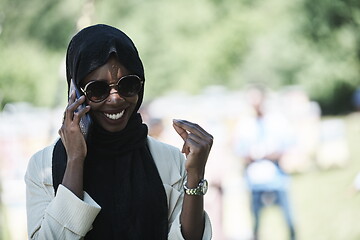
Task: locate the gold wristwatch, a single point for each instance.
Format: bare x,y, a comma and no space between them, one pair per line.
200,190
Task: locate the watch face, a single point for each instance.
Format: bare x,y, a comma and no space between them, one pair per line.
204,186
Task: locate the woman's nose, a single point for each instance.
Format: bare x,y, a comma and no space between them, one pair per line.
114,96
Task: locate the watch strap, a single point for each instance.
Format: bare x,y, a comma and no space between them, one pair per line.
200,190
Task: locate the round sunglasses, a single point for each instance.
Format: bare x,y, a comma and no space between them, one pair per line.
127,86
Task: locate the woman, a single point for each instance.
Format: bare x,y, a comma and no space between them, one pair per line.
118,183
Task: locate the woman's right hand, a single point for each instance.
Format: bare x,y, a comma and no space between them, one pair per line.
70,133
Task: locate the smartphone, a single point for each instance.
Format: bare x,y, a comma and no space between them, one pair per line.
85,121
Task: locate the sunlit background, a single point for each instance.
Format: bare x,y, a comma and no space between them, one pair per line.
199,57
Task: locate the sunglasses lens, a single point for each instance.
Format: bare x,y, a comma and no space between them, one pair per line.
97,91
129,86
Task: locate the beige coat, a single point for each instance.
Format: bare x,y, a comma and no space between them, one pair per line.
65,216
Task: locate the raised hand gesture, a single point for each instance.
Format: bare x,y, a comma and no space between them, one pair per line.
197,146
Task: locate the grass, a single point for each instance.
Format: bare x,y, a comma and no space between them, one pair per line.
4,234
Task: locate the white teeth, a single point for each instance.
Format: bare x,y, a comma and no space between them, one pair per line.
115,116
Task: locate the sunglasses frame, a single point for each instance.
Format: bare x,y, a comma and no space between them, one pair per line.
111,86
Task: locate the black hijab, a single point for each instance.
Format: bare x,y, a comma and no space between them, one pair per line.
119,171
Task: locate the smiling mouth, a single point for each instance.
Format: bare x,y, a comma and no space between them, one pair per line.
115,116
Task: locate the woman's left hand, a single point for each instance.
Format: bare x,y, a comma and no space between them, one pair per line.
197,145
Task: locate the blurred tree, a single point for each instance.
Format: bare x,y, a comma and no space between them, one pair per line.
185,45
188,45
33,39
49,23
331,28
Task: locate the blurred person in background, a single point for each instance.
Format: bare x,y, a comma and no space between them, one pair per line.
156,127
155,124
260,141
356,100
356,105
117,183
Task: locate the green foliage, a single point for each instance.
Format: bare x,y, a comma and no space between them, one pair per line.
33,40
28,77
50,23
186,45
331,29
